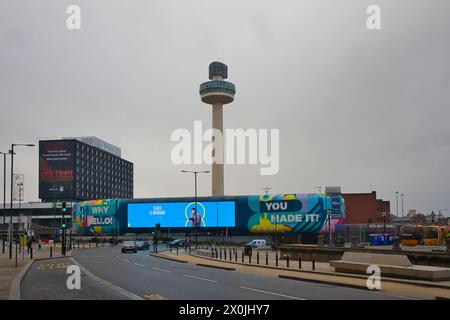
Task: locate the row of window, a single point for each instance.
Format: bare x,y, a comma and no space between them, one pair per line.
94,195
98,188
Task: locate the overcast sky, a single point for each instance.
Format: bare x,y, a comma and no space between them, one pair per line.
355,108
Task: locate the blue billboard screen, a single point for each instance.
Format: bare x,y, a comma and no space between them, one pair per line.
181,214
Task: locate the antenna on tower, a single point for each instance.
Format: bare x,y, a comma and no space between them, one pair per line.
266,189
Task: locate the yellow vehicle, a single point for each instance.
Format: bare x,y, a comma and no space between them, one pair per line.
411,235
434,235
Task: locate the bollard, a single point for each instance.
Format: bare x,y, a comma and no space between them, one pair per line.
299,261
242,256
257,257
189,250
225,254
231,257
235,255
313,264
177,250
89,244
267,258
276,259
287,261
78,244
51,252
96,244
220,251
170,249
83,244
31,253
103,243
250,258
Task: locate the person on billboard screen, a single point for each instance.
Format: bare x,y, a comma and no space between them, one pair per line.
195,218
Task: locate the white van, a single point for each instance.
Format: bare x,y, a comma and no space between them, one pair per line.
257,244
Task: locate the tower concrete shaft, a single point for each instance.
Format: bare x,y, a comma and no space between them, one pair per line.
217,168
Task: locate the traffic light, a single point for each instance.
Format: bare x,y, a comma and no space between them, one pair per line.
64,207
63,226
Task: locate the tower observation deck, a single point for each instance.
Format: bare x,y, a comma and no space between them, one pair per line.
217,92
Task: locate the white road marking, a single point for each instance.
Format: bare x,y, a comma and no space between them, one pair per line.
138,264
272,293
126,260
124,292
189,276
161,270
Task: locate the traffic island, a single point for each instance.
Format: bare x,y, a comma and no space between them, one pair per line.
391,265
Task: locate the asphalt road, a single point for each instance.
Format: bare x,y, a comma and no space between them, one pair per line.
47,280
142,275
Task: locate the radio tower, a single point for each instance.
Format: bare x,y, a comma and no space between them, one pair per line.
217,92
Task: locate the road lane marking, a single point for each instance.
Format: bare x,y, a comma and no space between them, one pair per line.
138,264
272,293
161,269
126,260
113,287
198,278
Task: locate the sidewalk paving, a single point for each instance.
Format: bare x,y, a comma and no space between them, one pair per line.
8,269
401,289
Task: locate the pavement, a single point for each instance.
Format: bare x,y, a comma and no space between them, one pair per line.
149,276
46,280
404,288
108,274
8,266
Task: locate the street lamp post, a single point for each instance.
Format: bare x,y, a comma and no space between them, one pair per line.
4,199
396,198
11,193
195,201
402,195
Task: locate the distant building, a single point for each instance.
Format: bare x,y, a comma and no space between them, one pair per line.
365,208
72,170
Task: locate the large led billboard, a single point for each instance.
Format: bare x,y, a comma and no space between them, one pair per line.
181,214
56,163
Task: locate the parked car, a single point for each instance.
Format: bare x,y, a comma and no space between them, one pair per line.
129,246
177,243
142,245
257,244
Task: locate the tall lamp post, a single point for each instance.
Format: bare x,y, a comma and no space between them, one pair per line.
396,198
11,230
402,195
195,200
4,199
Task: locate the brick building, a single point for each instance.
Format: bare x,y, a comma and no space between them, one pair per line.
362,208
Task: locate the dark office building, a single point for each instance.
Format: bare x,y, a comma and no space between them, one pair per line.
71,170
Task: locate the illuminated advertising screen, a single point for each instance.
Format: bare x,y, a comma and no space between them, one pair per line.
181,214
56,163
